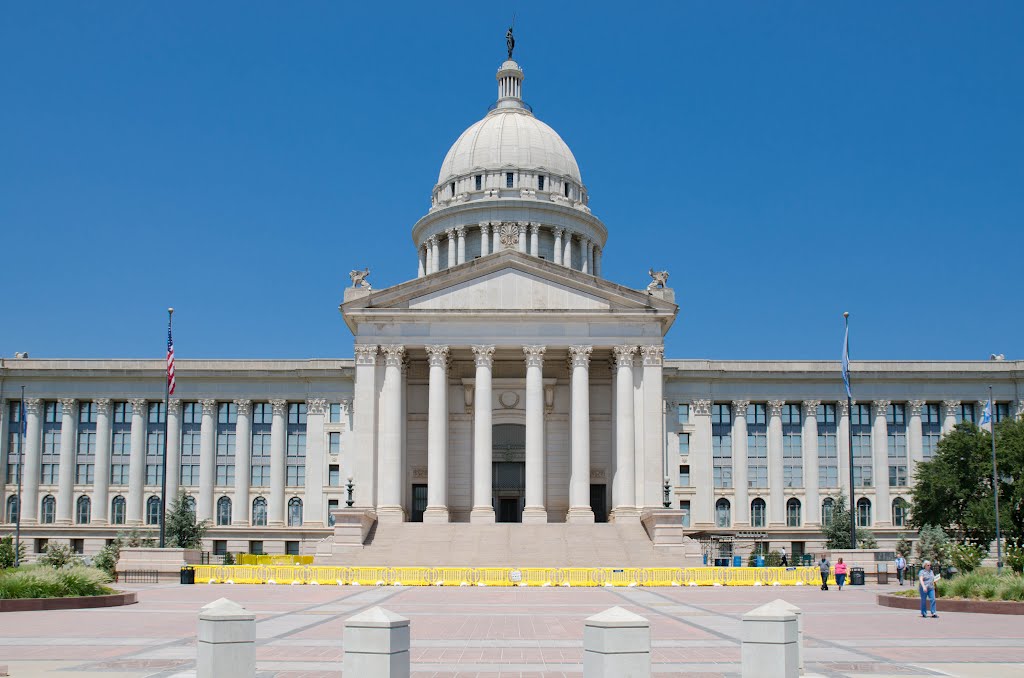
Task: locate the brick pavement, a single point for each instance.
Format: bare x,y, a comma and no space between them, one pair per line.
502,633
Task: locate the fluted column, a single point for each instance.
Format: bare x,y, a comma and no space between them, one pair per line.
485,238
278,436
101,476
534,511
880,461
460,233
701,464
483,483
535,239
812,503
776,496
950,408
31,460
915,437
243,454
137,458
207,459
558,245
66,471
567,252
437,436
523,235
435,253
624,483
741,510
843,446
389,471
597,260
421,254
580,510
584,255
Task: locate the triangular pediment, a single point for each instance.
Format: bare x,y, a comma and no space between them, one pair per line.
510,289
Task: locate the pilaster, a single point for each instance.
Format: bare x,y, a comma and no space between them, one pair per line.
101,476
580,510
880,461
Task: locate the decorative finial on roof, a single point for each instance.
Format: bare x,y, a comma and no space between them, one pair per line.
510,40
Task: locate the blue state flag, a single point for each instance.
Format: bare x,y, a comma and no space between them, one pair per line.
986,416
846,362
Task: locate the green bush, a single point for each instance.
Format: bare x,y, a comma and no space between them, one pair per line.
58,556
1015,558
967,557
42,581
905,547
933,544
106,559
228,558
1013,590
773,559
7,552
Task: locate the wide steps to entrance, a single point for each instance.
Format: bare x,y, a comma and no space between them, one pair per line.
506,545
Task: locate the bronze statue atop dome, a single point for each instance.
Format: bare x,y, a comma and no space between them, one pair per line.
510,41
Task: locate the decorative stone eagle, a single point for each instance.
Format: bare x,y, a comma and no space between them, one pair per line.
659,280
359,278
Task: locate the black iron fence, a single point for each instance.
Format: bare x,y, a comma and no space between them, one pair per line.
139,577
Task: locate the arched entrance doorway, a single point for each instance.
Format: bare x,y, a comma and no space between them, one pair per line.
508,448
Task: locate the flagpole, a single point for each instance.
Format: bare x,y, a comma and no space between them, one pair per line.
21,472
163,454
849,436
995,479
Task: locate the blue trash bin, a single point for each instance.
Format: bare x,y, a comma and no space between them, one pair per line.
737,561
759,560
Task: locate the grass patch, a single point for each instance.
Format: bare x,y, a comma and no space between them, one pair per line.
45,582
980,585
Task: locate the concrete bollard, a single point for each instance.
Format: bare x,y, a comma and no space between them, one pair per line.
226,646
799,631
770,643
376,645
616,644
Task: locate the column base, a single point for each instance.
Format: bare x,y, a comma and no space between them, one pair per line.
436,514
535,514
390,514
625,514
580,515
482,514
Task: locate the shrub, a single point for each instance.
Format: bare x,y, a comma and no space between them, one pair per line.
1015,558
932,544
135,538
7,552
865,539
773,559
58,556
42,581
106,559
183,530
1013,590
905,546
228,558
967,557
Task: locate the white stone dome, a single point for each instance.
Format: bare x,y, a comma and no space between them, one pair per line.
509,138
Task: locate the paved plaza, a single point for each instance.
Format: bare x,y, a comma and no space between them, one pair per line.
508,632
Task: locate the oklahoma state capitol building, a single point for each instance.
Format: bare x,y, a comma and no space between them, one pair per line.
508,381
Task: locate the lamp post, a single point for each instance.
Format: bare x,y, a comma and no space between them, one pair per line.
667,501
349,486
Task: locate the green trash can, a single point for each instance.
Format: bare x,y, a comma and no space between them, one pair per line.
857,576
188,575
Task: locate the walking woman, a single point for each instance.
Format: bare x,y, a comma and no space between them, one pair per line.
926,587
840,573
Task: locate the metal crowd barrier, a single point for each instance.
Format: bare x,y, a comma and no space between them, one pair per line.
290,574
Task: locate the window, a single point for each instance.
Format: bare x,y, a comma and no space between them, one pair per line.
860,431
191,442
509,179
565,189
792,446
336,412
14,443
684,508
334,475
863,512
153,511
85,474
723,517
684,443
828,507
78,546
262,419
259,514
1002,412
119,474
259,476
683,413
296,448
51,442
896,432
332,506
721,444
155,423
41,544
296,476
227,421
540,183
334,442
757,445
220,547
931,429
965,413
83,511
85,448
684,475
479,182
256,548
117,510
49,512
50,474
828,451
899,512
190,502
189,474
452,186
291,548
225,475
154,474
793,514
757,513
223,511
121,443
294,512
12,509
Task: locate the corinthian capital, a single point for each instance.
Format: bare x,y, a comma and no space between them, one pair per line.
483,355
68,406
701,408
393,354
173,407
103,406
450,232
811,408
279,406
437,356
775,407
653,355
624,355
579,356
316,406
460,231
244,407
534,355
32,405
209,407
739,408
366,354
139,406
951,406
916,407
880,407
558,231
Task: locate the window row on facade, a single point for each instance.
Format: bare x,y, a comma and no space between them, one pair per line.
899,512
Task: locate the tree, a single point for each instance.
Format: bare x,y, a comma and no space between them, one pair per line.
58,556
7,552
183,530
954,489
933,544
837,530
904,546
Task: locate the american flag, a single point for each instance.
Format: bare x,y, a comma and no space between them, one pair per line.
170,360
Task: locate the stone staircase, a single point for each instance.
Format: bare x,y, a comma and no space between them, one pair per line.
623,544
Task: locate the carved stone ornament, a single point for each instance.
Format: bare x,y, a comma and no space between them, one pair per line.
437,356
419,472
393,354
739,408
701,408
173,407
280,407
659,280
103,406
485,227
450,232
534,355
366,354
881,407
653,355
579,356
811,408
139,406
508,234
624,355
951,405
916,407
359,278
244,407
460,231
558,231
69,407
32,405
209,407
597,474
775,407
316,406
508,399
483,355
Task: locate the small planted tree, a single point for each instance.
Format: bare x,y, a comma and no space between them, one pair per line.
904,547
7,558
182,528
58,556
933,544
837,530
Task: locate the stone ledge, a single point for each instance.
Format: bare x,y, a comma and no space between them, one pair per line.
953,605
76,603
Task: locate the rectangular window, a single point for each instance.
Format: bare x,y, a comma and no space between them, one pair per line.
78,546
50,474
683,413
14,443
220,547
965,413
225,475
336,413
262,419
332,505
291,548
85,447
540,183
334,442
296,476
296,445
85,474
259,476
154,473
509,179
792,446
190,474
721,444
757,445
684,475
684,507
896,434
479,182
52,415
684,443
334,475
1002,412
931,429
256,548
155,423
119,474
227,420
860,432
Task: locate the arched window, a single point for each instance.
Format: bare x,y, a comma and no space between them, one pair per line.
827,507
757,509
723,517
294,512
793,512
259,512
117,511
863,512
899,512
223,511
83,511
12,509
49,513
153,511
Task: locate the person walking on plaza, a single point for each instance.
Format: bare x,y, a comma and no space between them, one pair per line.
785,562
926,587
840,573
824,566
901,567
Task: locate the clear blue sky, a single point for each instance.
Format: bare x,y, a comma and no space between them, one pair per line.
784,161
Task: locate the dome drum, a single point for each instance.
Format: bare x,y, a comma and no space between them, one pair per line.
510,182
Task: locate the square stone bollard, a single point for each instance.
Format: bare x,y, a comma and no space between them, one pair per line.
616,644
376,645
799,631
226,641
770,643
